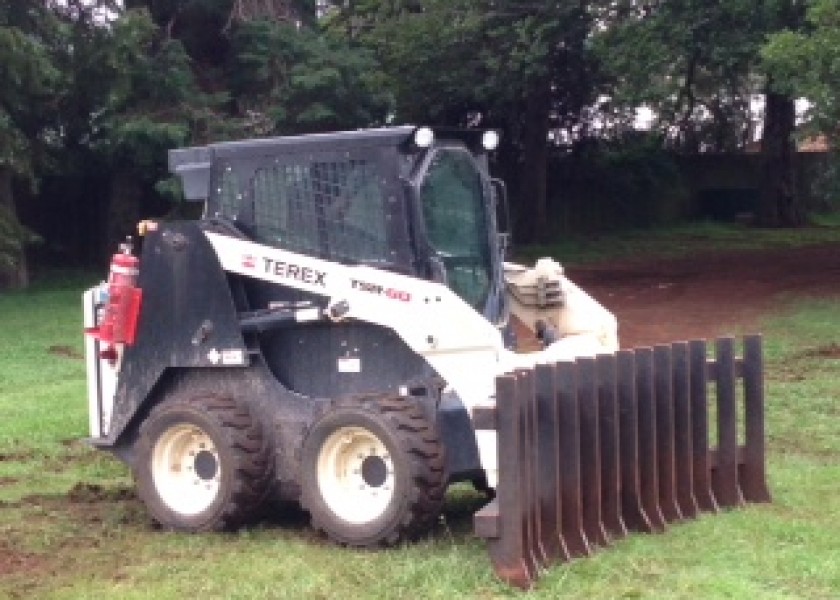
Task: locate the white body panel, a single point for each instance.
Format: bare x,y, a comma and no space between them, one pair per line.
458,342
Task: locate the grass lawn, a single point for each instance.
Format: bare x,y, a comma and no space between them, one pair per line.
70,526
682,240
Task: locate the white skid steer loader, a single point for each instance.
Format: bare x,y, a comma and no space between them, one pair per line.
326,333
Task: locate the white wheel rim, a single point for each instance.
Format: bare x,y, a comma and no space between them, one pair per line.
355,475
186,469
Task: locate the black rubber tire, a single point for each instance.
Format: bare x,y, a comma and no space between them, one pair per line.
418,469
244,460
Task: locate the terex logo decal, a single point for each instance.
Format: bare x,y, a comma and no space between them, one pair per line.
374,288
292,271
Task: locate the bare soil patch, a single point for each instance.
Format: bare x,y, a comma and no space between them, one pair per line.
13,560
706,296
66,352
828,351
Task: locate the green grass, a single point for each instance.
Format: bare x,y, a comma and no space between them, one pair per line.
70,526
682,240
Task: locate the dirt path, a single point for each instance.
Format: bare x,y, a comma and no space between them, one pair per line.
706,296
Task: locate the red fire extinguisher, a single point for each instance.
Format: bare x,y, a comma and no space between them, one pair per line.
122,310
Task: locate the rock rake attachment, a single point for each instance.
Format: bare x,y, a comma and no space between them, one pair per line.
598,447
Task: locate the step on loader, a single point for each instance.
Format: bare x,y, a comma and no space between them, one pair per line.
336,331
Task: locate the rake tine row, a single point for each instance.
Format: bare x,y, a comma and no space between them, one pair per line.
592,449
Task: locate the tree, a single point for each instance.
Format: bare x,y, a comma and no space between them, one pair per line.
806,63
154,104
284,79
689,61
27,82
524,66
272,66
697,63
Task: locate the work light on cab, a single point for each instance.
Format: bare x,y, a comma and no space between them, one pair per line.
490,140
424,137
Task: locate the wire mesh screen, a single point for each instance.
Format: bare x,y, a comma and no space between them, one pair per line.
331,209
229,196
336,209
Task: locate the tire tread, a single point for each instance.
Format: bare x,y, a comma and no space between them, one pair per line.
428,480
250,450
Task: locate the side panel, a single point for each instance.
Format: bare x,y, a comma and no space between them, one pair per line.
187,319
334,359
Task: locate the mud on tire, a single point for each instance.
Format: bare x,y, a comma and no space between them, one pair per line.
372,472
202,463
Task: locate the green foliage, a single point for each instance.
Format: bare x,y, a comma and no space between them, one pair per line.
14,147
825,183
692,62
522,66
14,237
410,42
495,54
806,63
154,103
29,80
286,79
81,96
697,64
28,77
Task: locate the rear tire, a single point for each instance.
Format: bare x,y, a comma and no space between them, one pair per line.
372,472
202,463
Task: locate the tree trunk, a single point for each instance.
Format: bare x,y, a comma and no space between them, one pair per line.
533,219
123,209
14,273
779,204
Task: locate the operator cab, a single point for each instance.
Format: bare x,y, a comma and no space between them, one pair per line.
417,201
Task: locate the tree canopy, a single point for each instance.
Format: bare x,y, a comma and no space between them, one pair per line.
699,65
806,63
29,83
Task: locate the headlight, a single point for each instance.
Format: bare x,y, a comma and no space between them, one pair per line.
424,137
490,140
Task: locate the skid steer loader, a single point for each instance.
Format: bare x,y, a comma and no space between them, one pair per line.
335,330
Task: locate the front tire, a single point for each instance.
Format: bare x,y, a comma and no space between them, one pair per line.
372,472
202,463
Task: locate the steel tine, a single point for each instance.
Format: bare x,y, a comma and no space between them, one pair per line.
609,434
501,520
632,511
725,472
753,477
648,464
527,457
665,452
590,452
682,431
567,395
702,469
548,467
